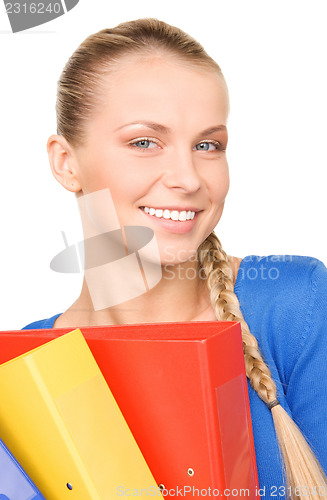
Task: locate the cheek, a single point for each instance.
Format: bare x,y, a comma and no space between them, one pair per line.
219,186
127,190
100,168
121,174
98,177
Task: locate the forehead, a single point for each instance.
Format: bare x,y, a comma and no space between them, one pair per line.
165,90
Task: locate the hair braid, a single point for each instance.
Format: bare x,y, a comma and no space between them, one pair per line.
303,472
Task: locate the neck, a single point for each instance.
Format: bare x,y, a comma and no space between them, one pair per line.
180,295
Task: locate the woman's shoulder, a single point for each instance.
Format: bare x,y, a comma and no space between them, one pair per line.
42,323
281,285
279,272
283,299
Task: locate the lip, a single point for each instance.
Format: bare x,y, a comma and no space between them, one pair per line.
175,207
174,226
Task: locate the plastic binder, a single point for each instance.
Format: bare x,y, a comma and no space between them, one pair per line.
62,423
182,389
14,482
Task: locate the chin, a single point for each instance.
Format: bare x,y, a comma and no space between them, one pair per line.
172,256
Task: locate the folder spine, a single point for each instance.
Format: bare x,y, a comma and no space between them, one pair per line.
212,424
59,426
231,411
19,437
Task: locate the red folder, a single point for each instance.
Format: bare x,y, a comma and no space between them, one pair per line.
183,392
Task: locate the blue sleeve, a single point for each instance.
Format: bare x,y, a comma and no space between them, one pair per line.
42,324
306,389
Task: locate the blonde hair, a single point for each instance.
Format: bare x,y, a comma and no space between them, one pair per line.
82,79
79,92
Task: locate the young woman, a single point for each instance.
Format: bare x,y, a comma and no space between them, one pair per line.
142,118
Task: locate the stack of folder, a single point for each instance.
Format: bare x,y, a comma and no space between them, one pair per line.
175,421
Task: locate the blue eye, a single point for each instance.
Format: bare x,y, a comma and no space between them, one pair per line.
144,144
205,146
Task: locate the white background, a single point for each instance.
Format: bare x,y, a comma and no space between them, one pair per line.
273,55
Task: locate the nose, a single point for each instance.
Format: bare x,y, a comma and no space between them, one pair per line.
181,173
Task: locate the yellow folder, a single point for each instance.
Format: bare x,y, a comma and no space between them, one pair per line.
60,420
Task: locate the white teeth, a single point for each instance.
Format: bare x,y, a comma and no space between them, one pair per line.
167,214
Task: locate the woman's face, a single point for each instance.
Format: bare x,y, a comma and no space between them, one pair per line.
159,145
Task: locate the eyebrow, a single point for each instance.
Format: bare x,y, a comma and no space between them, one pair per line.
166,130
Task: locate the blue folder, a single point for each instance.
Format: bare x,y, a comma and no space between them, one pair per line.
14,482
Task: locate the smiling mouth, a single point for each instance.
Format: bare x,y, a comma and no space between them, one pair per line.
175,215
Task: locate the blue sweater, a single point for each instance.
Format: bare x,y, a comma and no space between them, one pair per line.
284,301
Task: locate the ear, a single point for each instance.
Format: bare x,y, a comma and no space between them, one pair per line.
63,163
